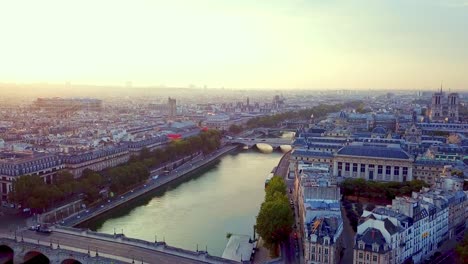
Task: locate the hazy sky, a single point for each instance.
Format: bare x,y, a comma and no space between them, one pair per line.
237,43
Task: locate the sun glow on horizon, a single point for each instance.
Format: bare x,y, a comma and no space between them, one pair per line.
240,44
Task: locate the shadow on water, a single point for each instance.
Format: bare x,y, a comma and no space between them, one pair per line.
126,208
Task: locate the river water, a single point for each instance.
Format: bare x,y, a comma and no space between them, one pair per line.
201,208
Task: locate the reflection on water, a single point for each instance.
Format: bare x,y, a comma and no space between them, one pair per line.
224,198
264,148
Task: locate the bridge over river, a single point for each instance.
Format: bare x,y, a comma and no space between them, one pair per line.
250,142
72,245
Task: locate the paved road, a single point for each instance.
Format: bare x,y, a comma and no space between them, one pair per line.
108,247
348,239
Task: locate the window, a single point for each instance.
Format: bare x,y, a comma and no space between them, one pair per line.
405,170
374,258
312,257
367,256
388,170
326,250
361,255
346,166
313,249
396,170
355,167
363,168
379,169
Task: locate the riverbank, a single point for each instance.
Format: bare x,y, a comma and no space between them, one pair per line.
151,185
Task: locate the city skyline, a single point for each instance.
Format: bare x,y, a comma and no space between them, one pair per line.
238,45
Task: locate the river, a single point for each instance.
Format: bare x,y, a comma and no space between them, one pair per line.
199,209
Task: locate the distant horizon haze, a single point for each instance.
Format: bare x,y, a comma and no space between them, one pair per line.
296,44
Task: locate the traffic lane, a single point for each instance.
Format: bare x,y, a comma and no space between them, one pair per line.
108,247
447,257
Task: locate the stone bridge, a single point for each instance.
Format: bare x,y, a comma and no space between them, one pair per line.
73,245
250,142
28,251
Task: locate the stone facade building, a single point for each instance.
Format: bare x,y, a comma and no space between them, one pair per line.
16,164
371,162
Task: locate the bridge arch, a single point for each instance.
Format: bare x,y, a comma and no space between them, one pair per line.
7,254
35,257
71,261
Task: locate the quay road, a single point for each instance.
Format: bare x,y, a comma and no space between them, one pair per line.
290,247
151,253
150,185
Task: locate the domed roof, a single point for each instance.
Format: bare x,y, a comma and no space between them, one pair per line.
379,130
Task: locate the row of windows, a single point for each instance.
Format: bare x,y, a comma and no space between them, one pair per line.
361,256
388,169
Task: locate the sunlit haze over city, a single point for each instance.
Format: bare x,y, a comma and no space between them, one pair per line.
234,132
313,44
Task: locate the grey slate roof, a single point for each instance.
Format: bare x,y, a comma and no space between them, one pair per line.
374,152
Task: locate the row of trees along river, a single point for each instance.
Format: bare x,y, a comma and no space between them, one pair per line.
304,114
32,192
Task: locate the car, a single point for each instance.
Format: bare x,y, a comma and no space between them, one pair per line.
121,197
87,211
131,191
108,201
102,206
144,185
78,216
44,230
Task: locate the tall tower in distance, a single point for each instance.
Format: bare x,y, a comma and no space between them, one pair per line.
444,108
436,105
172,106
452,106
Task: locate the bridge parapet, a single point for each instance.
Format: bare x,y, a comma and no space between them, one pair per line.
159,246
53,252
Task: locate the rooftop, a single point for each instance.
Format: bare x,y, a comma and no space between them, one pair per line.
374,152
239,248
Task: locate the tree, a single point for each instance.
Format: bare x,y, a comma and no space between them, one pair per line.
235,129
65,181
275,218
274,222
29,191
462,250
276,185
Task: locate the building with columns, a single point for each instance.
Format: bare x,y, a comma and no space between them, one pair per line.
374,163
